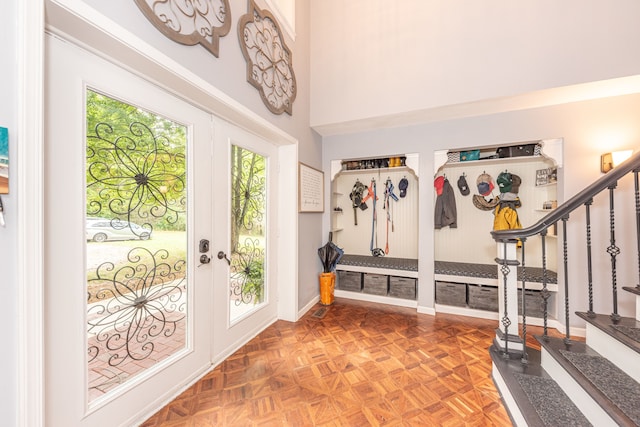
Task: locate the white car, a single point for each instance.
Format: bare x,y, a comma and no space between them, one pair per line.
103,229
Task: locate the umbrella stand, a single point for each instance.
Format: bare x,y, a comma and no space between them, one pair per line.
329,255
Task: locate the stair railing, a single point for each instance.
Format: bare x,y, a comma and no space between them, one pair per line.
508,264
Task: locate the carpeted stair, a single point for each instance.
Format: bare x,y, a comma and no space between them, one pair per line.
610,380
545,400
541,401
616,392
551,403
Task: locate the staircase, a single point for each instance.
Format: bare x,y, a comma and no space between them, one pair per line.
571,381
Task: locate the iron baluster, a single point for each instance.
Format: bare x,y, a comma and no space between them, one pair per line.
567,338
587,205
525,357
613,251
637,197
505,320
545,292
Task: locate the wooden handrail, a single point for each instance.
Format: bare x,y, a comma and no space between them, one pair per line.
606,181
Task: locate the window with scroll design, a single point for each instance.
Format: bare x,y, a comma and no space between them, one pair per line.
249,235
136,232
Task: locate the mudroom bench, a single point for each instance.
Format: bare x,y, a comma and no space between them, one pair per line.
378,276
475,286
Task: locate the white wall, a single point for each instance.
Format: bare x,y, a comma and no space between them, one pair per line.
8,234
378,58
588,129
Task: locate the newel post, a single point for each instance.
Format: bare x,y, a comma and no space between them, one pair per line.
507,336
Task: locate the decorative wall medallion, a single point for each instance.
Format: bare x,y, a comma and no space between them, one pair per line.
269,61
190,21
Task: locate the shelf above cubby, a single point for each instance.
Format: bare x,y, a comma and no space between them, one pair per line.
375,170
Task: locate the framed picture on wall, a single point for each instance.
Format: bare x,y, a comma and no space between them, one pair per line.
310,189
4,160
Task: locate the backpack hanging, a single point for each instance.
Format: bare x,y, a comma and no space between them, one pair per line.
356,199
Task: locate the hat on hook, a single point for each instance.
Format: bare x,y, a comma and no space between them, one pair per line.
402,186
439,184
485,184
463,186
483,204
505,182
515,183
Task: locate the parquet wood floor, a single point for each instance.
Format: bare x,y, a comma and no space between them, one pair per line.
362,364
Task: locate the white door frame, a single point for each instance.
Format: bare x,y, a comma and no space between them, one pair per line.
74,20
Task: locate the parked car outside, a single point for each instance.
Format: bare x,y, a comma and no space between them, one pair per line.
103,229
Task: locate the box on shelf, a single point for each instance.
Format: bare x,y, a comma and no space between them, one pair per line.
483,297
349,281
402,287
533,301
376,284
450,293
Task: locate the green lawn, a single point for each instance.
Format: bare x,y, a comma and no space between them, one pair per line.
117,253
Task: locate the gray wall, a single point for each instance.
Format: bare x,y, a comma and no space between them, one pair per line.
589,128
8,234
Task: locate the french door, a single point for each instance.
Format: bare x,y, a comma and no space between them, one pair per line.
160,246
247,250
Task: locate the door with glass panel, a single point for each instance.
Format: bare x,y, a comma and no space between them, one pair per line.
246,193
129,219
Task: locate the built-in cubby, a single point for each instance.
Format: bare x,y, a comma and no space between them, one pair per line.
376,230
470,243
393,227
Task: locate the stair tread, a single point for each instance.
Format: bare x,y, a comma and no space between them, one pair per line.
615,391
552,404
626,329
540,399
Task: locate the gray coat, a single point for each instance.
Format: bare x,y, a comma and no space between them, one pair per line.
445,211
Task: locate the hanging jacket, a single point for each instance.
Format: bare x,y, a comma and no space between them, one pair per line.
446,213
506,217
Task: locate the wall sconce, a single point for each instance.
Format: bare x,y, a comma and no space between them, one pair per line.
609,161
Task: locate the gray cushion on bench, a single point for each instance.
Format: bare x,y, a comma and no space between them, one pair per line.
487,271
490,271
406,264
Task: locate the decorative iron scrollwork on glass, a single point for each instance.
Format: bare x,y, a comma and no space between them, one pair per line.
190,22
269,61
247,273
134,177
131,306
248,193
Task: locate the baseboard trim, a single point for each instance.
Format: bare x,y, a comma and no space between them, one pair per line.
308,307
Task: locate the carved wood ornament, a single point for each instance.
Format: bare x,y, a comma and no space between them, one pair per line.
269,61
190,22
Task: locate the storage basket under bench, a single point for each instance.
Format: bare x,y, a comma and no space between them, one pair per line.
463,284
377,275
